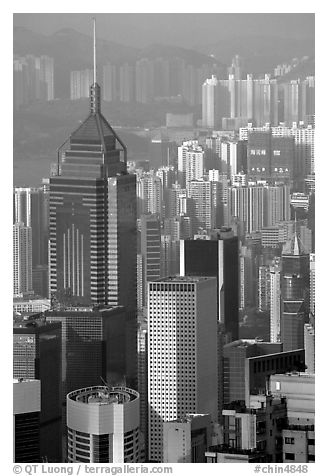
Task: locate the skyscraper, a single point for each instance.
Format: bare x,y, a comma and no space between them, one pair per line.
92,227
22,259
217,257
182,353
26,406
294,294
37,355
150,238
93,346
103,425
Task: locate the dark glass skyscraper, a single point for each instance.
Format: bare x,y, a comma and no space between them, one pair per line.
295,278
37,355
219,257
93,237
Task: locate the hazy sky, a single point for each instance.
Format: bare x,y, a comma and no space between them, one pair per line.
183,29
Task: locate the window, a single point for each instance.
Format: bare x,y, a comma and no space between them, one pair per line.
289,441
290,456
277,385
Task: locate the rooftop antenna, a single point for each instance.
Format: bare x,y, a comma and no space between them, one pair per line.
94,52
94,88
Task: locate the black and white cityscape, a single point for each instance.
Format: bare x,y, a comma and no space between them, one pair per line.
164,238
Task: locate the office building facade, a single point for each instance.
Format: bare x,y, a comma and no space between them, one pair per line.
182,340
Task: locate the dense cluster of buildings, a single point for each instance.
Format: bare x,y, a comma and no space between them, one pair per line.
134,288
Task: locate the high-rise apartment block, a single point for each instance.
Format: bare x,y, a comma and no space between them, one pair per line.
182,352
80,84
33,79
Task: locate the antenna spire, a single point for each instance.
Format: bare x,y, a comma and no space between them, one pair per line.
94,88
94,53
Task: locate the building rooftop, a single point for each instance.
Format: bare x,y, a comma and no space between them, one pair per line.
103,395
183,279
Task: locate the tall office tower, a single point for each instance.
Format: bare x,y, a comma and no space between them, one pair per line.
191,160
312,283
80,83
259,156
126,74
182,342
247,204
22,259
143,382
275,300
37,355
103,425
215,103
26,407
149,195
186,439
110,82
144,81
93,238
189,85
282,158
276,204
139,282
202,211
150,238
31,207
264,288
294,294
93,346
217,257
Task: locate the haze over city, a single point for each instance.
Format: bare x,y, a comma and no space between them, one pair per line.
164,240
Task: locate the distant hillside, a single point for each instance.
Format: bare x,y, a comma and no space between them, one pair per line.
261,54
167,51
301,71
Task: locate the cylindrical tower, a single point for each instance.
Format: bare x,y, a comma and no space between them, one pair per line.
103,425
